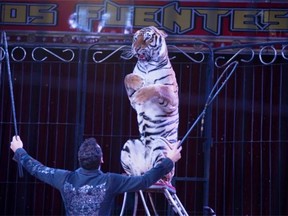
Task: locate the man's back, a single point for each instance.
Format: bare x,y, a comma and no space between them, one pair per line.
84,191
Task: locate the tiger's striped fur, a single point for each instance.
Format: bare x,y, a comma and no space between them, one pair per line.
153,92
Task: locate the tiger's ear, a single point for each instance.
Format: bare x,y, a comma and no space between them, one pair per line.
161,32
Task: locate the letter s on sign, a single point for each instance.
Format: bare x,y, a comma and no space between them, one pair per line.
43,14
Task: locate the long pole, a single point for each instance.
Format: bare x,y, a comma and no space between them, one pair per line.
20,169
212,96
10,83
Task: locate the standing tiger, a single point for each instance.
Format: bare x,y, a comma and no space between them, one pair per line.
153,92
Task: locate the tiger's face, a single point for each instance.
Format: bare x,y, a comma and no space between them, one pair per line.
149,44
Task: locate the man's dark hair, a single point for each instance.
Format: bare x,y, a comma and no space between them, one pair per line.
90,154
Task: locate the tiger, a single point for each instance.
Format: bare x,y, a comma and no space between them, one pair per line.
152,90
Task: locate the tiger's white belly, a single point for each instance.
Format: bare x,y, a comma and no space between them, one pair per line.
149,74
153,122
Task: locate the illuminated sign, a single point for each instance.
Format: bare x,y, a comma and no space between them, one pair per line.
182,19
176,18
28,14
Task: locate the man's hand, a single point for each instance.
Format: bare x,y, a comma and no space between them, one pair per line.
174,153
16,143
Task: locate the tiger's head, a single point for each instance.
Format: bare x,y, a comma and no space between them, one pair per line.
148,44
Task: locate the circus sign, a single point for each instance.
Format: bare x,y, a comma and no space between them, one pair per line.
186,18
181,19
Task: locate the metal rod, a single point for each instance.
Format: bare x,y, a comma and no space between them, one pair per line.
20,169
211,97
10,83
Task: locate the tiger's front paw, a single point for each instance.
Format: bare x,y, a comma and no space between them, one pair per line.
133,83
146,94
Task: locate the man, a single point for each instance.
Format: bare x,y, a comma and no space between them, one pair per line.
87,190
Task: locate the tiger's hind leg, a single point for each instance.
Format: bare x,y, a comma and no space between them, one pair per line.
159,147
133,157
137,158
